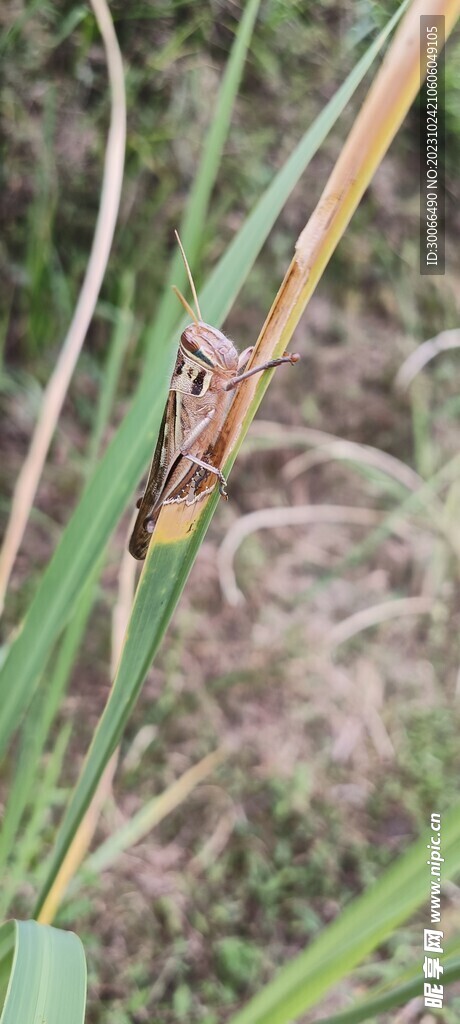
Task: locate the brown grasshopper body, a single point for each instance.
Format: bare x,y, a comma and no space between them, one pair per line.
208,366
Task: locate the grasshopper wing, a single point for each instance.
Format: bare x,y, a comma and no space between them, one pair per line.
152,499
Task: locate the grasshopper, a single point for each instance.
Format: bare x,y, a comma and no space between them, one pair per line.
207,368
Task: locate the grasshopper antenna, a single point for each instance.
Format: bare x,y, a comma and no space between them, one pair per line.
185,304
189,275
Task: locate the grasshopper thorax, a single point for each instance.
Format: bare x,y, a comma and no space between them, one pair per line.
209,347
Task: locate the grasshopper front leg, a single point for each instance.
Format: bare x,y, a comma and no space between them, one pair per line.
289,357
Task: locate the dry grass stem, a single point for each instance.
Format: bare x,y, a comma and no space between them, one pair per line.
366,700
56,390
432,509
328,446
443,342
80,845
155,811
353,452
379,613
271,518
215,845
124,603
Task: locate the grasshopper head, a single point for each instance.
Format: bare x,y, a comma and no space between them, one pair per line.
209,347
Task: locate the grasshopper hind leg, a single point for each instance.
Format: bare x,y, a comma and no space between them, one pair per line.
209,469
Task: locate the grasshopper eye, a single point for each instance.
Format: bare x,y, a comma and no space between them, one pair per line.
193,348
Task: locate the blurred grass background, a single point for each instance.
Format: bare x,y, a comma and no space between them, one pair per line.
341,754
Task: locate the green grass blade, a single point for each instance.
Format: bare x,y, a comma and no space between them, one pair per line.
107,494
399,994
192,225
30,846
153,606
364,924
117,475
38,723
40,262
47,982
121,336
7,940
44,707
